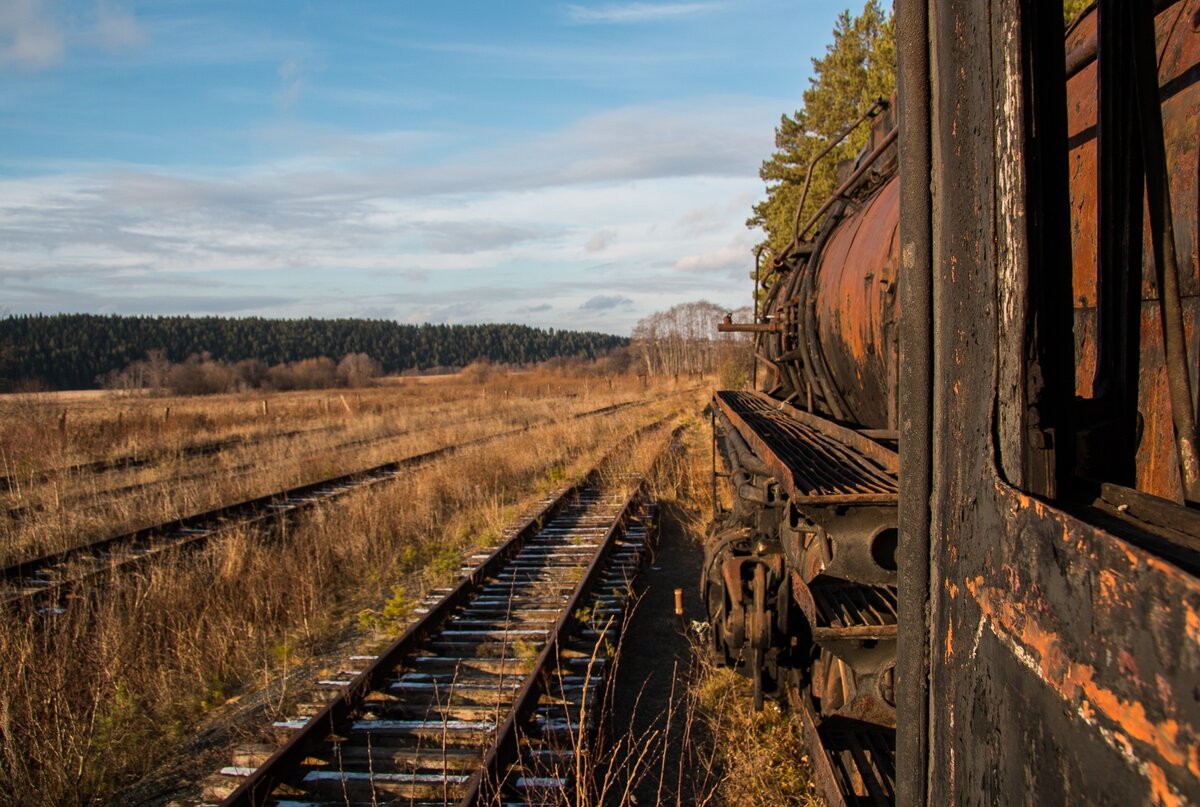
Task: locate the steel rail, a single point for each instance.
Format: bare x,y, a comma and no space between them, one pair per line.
22,511
487,783
336,717
195,530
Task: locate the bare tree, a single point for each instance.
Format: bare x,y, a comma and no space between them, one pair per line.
681,340
357,370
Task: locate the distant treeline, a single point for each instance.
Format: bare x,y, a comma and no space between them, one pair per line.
76,351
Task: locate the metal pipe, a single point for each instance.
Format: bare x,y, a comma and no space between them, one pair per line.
729,326
740,452
880,105
754,356
1166,266
849,183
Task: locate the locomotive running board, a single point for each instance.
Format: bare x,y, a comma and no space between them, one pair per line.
820,462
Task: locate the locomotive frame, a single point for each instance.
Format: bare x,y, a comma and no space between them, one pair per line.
1046,634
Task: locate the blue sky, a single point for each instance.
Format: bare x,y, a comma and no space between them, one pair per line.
571,165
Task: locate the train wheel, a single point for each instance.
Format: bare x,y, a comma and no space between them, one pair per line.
833,685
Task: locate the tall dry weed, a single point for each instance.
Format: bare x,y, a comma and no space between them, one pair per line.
63,512
94,697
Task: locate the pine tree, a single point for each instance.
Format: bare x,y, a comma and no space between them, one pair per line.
856,70
1072,8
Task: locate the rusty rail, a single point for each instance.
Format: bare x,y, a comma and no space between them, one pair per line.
46,577
336,719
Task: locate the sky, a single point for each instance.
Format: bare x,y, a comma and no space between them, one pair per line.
565,165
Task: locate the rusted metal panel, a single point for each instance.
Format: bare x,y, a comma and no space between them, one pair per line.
1179,80
856,302
1109,636
1157,466
1063,660
1081,132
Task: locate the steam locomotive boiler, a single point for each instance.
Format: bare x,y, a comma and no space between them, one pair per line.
962,538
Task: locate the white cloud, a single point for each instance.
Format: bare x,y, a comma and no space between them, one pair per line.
116,28
600,241
35,35
291,82
638,12
733,258
30,37
500,229
604,302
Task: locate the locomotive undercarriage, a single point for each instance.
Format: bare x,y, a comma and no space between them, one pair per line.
800,579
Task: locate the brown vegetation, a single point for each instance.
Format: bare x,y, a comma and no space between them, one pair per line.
201,374
93,697
742,756
274,442
683,340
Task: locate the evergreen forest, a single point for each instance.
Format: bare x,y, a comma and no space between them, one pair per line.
74,351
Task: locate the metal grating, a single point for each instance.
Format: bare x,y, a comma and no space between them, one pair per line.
844,605
821,466
863,758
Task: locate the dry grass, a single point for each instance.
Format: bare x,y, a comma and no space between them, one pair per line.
384,424
104,691
727,753
742,756
761,755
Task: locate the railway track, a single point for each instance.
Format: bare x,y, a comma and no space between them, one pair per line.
88,500
490,697
47,579
12,482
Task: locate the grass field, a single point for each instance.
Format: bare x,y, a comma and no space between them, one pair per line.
119,683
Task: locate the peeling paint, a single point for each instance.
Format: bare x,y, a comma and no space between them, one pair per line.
1040,650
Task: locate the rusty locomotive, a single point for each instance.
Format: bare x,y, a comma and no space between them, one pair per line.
962,537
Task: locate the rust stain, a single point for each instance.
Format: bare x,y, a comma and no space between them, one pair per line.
1166,696
1074,681
1128,664
1111,590
1081,536
1157,468
1161,789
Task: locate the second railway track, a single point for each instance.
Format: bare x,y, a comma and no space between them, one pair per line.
46,579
